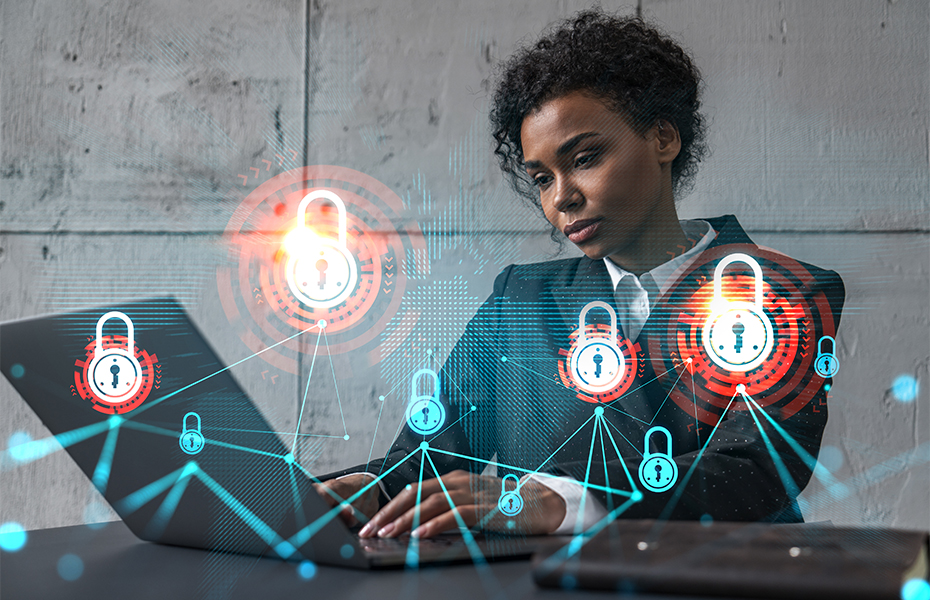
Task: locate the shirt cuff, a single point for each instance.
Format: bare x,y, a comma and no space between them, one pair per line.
373,476
582,510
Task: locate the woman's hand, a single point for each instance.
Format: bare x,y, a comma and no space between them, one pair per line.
346,487
475,497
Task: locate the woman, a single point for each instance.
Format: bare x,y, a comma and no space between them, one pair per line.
598,124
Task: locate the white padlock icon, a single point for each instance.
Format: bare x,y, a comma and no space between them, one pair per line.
737,335
597,364
115,375
320,271
425,413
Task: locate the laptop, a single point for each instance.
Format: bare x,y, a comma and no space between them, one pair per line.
180,452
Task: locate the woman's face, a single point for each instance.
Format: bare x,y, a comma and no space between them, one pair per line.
605,186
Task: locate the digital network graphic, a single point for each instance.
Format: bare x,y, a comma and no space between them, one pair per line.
318,267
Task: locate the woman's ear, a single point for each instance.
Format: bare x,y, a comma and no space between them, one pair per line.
668,142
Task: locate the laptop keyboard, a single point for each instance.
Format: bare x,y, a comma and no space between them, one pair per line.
399,544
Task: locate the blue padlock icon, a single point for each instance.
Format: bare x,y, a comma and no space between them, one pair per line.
191,440
826,363
658,472
425,413
510,503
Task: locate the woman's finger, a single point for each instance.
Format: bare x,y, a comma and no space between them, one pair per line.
398,505
429,508
447,521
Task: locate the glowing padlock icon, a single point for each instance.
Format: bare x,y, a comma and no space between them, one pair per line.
597,364
510,503
115,375
425,413
826,363
658,472
320,271
191,440
737,335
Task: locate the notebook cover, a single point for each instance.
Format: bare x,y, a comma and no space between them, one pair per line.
749,560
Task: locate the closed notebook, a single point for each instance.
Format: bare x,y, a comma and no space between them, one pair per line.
748,560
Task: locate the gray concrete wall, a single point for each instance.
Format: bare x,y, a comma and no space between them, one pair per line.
125,125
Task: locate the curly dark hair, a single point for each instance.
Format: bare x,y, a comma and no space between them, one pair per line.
636,69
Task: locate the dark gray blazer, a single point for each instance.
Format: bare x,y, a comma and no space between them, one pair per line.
524,414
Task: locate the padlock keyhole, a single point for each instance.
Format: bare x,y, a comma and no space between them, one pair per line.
321,266
426,414
114,368
598,359
658,472
738,329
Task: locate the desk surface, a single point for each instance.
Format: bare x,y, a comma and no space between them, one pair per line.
118,565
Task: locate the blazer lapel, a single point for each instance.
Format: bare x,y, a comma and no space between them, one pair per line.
591,281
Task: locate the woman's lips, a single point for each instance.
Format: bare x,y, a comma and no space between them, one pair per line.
581,231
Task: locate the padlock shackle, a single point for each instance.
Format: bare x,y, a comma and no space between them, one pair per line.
184,422
130,332
668,441
727,261
416,379
584,314
832,345
504,486
325,195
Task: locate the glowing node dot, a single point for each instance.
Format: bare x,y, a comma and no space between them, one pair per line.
12,536
637,496
70,567
794,552
599,410
306,569
707,520
18,446
503,359
511,524
346,437
905,388
827,387
915,589
424,445
322,323
381,398
741,389
408,487
689,360
473,407
17,371
289,458
347,551
429,352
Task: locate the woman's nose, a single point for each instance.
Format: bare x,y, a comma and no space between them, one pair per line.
567,195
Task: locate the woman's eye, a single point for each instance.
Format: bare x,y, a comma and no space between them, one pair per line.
542,180
585,160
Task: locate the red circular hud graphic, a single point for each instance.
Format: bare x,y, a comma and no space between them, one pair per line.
254,288
631,354
798,311
151,376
